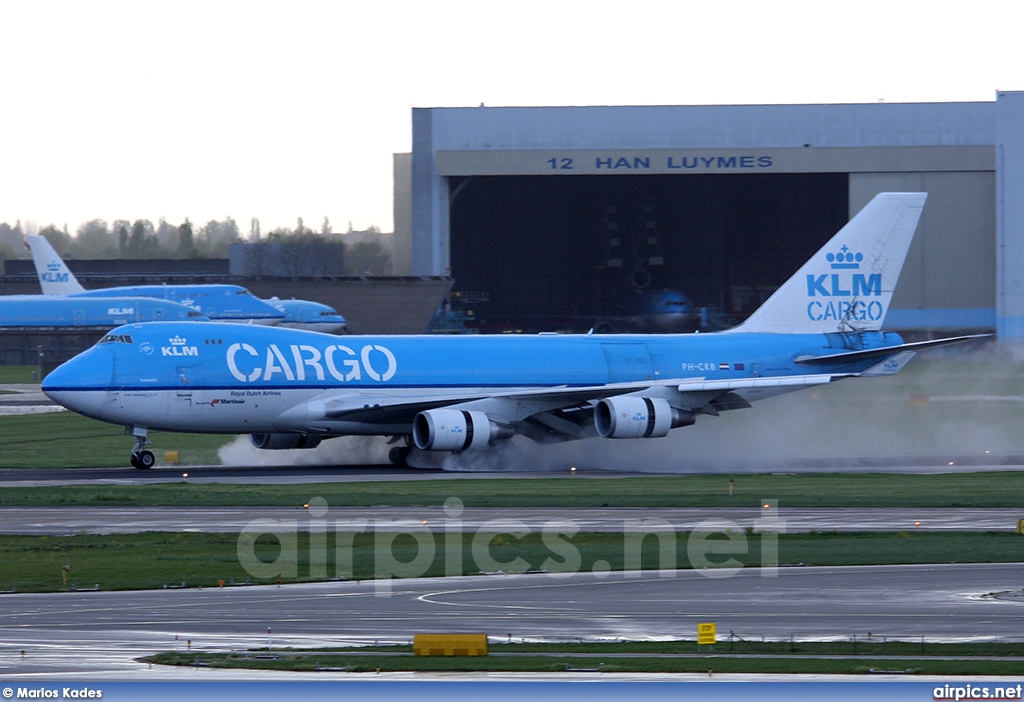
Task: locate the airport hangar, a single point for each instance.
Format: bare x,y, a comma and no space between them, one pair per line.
564,213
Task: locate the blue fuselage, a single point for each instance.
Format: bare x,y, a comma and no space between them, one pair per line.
224,303
226,378
97,312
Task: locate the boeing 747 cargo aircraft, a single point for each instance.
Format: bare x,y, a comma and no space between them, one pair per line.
290,388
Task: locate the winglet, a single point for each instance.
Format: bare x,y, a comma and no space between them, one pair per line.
848,284
54,276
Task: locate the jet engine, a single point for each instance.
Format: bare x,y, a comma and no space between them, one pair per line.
275,442
638,417
456,430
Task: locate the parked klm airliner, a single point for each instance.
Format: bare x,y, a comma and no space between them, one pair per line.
309,315
223,303
36,311
290,388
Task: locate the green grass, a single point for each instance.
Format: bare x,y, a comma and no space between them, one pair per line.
993,489
19,374
661,657
68,440
152,559
854,646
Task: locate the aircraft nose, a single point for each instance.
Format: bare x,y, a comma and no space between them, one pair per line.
81,384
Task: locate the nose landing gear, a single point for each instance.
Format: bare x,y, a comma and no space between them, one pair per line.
141,458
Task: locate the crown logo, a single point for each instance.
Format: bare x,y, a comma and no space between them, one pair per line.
845,259
53,266
178,341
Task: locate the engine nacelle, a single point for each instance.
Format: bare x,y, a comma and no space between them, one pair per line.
277,442
638,417
456,430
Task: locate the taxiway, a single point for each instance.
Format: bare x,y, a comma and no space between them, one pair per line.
80,634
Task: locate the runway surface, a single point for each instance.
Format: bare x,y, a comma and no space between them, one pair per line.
10,477
25,398
97,635
57,521
84,634
299,474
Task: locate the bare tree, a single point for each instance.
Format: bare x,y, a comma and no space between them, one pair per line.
11,240
216,237
94,240
186,241
367,258
59,240
167,237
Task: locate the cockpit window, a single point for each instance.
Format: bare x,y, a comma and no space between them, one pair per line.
116,339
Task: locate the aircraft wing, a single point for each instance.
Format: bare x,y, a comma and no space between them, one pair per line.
562,410
375,407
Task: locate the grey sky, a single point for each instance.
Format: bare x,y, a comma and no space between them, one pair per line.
280,110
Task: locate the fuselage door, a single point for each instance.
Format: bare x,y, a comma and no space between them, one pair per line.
627,362
187,378
187,396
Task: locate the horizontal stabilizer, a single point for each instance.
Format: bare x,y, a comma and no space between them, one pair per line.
701,385
851,356
890,366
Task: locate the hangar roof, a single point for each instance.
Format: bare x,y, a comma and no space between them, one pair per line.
711,126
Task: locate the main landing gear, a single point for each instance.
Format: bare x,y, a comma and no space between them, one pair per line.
399,455
141,458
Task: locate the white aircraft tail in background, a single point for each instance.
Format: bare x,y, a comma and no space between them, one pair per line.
55,278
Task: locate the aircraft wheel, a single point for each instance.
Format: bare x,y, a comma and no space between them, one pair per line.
143,460
399,455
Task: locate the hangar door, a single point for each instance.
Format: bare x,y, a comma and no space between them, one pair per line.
564,253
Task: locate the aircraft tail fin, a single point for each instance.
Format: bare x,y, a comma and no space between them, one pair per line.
848,284
54,276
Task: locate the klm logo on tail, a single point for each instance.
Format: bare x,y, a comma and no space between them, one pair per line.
53,274
845,282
